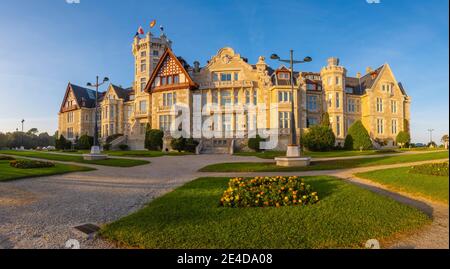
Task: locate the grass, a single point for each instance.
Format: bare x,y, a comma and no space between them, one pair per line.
190,218
133,153
75,158
323,165
326,154
402,179
8,173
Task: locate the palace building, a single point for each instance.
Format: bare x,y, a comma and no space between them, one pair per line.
227,81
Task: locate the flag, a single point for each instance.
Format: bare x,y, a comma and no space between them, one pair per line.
141,30
152,23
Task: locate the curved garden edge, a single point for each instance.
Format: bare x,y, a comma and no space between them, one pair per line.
429,236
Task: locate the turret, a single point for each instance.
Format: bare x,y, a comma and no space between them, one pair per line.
333,80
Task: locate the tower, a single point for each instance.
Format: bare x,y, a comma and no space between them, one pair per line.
147,52
333,80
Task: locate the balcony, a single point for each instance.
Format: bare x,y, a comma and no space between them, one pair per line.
226,84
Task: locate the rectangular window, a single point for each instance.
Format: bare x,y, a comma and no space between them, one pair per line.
284,96
330,81
143,53
393,106
330,99
310,87
225,98
236,96
311,122
169,99
225,76
394,127
143,84
351,107
155,53
111,112
338,100
143,106
379,105
255,97
165,121
176,79
204,98
70,117
143,66
284,120
70,132
349,90
283,75
312,103
236,76
215,77
163,81
380,126
338,80
349,123
338,126
247,96
214,97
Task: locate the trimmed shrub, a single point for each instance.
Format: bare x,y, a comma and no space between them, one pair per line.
357,137
268,192
29,164
62,143
191,145
319,138
433,169
85,142
123,147
6,158
107,146
178,144
403,139
254,143
153,139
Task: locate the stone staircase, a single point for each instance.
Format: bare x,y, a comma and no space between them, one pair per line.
216,146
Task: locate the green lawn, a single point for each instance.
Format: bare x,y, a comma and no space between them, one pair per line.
75,158
10,173
428,186
133,153
323,165
326,154
190,218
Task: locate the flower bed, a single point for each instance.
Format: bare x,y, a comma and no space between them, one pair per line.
434,169
268,192
6,158
28,164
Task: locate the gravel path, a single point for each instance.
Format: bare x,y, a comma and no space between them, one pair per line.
41,212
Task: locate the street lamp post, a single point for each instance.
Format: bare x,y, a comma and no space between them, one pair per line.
293,148
431,135
95,150
22,147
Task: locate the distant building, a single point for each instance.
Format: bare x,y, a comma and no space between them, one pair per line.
228,80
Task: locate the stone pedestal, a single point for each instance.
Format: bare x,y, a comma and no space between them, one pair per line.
95,154
293,158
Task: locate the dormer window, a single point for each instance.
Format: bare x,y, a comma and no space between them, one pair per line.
283,75
225,76
310,87
349,90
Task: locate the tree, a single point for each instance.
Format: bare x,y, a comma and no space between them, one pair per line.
85,142
33,131
403,139
319,138
62,143
325,121
357,138
153,139
254,143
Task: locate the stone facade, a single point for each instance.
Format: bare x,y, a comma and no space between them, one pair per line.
229,80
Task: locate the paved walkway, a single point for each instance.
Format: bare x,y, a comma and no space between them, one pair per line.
40,212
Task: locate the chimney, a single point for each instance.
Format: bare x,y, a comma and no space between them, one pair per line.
358,75
333,61
368,70
196,66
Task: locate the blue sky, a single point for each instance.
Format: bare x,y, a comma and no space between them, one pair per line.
46,43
